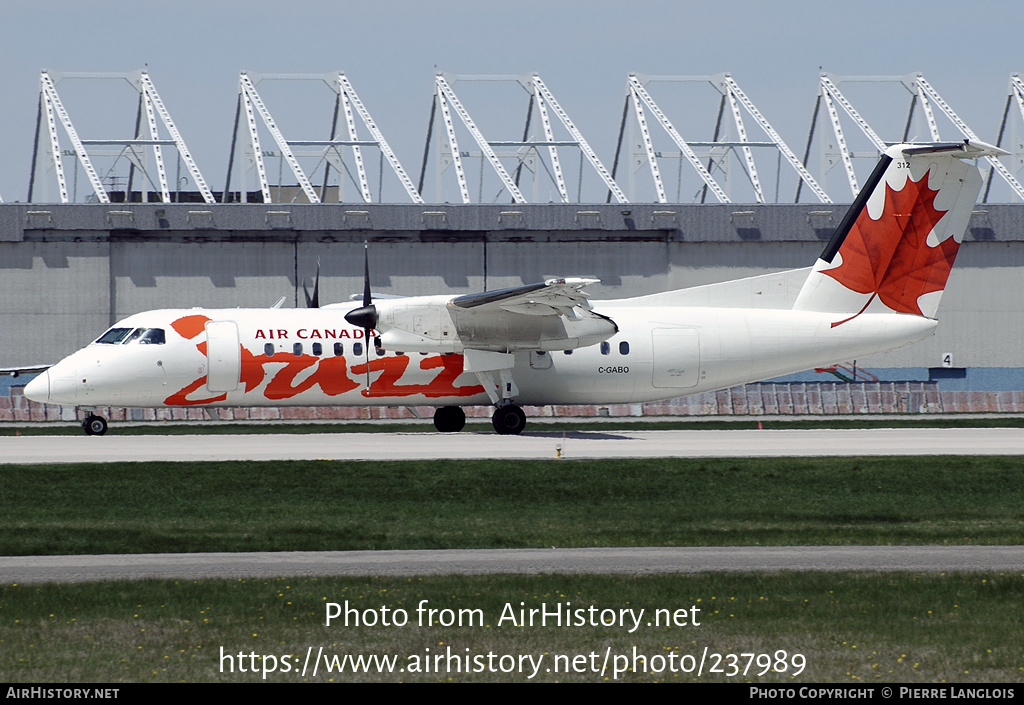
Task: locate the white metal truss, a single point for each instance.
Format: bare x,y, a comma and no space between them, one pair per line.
549,135
641,97
606,176
54,143
253,101
257,152
830,88
357,152
844,150
926,106
741,132
645,135
738,103
545,103
453,143
165,192
1017,92
350,95
153,100
1015,96
997,165
53,105
787,153
831,94
330,151
923,94
445,94
151,106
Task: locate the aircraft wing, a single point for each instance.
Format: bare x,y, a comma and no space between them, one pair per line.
25,370
554,297
552,315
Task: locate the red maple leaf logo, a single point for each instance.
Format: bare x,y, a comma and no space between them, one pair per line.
889,256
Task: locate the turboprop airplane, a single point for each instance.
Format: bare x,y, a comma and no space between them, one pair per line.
876,287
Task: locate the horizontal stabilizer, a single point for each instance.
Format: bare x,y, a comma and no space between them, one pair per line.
967,149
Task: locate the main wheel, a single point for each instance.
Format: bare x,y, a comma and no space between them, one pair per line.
509,420
94,425
449,419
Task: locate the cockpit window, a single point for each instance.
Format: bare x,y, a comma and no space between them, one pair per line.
152,336
114,336
123,336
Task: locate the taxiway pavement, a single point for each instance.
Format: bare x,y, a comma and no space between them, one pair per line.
634,561
530,445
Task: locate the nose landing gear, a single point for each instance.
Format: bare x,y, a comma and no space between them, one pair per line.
94,425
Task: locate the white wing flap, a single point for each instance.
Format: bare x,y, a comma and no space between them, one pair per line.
550,298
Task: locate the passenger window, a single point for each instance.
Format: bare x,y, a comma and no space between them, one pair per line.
297,349
268,350
357,349
318,349
568,352
339,349
606,348
153,336
623,348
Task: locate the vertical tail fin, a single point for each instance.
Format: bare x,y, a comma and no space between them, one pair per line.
895,247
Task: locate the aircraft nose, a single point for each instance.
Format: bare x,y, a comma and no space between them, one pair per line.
56,385
38,388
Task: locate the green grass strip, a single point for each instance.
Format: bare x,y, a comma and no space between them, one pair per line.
848,628
348,505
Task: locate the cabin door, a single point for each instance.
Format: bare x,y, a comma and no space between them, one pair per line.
224,354
676,358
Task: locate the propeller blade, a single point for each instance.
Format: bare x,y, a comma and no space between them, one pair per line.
366,337
366,274
366,316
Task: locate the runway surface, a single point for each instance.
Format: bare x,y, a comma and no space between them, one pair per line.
531,445
635,561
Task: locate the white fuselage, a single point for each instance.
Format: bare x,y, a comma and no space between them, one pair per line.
312,357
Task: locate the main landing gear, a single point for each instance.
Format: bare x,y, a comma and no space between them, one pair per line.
508,420
94,425
449,419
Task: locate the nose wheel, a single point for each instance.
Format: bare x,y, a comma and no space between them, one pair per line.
94,425
509,420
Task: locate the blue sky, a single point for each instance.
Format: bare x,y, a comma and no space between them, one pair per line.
195,49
